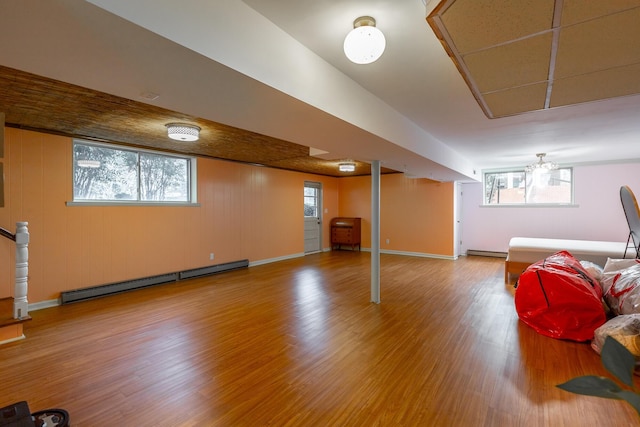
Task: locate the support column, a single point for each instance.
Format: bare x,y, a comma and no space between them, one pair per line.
375,231
20,303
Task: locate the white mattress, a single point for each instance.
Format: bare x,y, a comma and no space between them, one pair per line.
529,249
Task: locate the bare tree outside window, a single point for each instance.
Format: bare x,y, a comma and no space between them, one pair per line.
103,173
311,201
163,178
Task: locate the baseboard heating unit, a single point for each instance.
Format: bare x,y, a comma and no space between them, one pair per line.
475,252
212,269
84,294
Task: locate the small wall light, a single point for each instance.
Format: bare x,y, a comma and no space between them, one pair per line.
183,132
347,167
365,43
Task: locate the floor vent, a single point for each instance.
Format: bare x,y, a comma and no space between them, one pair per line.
114,288
473,252
204,271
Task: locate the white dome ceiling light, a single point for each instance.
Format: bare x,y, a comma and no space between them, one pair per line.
347,166
183,131
365,43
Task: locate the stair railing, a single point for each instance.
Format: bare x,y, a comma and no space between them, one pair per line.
21,286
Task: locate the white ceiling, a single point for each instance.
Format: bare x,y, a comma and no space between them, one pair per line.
276,67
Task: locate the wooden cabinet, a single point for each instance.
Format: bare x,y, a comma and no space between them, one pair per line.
345,231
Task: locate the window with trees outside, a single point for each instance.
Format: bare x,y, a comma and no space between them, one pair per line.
539,187
109,173
311,196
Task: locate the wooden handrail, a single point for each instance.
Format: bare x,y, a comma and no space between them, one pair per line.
7,234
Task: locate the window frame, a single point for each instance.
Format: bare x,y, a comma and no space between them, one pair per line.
316,198
192,187
522,170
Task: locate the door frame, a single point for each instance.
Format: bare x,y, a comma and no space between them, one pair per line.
318,186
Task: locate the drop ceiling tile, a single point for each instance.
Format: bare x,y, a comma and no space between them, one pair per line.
515,64
599,44
500,45
516,101
605,84
574,11
478,24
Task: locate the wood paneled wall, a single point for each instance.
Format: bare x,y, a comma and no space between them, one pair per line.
244,211
416,215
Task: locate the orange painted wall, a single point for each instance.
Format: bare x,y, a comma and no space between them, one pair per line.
416,215
245,212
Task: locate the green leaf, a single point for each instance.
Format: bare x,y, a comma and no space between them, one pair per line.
632,398
618,360
591,385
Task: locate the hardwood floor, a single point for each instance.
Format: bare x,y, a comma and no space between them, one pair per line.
297,343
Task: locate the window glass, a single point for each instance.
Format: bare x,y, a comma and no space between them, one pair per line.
541,186
164,178
310,201
105,173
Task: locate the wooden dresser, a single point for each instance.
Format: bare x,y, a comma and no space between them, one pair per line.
345,231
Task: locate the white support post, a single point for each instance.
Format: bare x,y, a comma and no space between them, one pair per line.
375,231
20,303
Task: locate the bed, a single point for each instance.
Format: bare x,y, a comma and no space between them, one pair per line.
524,251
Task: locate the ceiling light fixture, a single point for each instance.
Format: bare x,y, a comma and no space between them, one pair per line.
541,164
183,132
365,43
82,163
347,167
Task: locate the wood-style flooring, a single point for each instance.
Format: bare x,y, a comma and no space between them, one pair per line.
297,343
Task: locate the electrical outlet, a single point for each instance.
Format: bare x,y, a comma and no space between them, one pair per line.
388,240
211,256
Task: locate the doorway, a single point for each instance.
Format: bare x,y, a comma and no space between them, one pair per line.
312,217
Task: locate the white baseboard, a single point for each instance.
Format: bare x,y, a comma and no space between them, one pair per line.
44,304
418,254
12,339
56,302
270,260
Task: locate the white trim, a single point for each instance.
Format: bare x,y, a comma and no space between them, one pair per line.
531,205
44,304
417,254
56,302
132,203
7,341
276,259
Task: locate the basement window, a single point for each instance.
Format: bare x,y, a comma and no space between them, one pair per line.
114,174
518,187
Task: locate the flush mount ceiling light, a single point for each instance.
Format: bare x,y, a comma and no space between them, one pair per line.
183,132
365,43
541,164
347,167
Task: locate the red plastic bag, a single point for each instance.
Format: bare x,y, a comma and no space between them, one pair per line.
558,298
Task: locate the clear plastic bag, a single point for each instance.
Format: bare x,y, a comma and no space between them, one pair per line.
624,328
621,285
594,269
